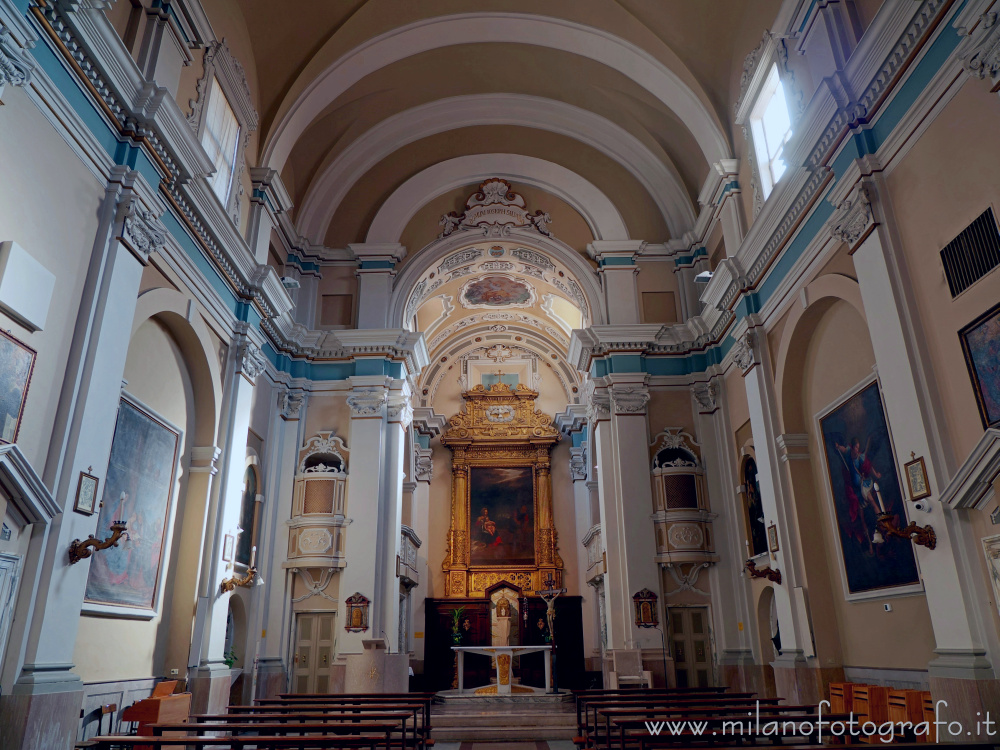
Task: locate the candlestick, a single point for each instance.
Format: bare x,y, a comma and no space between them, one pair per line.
253,556
878,497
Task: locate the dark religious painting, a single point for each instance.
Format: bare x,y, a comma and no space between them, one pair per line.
864,480
754,509
981,344
16,363
137,490
502,515
498,291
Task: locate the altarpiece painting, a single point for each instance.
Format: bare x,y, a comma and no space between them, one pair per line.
137,490
865,483
501,514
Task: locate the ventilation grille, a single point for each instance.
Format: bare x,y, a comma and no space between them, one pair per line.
973,254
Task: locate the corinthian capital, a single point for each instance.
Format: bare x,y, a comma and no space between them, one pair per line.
15,65
853,217
598,407
367,403
250,360
629,399
141,230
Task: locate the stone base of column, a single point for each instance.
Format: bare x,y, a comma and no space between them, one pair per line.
43,709
798,682
209,686
272,678
739,672
965,681
376,671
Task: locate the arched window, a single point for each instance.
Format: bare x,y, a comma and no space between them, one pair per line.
753,509
248,517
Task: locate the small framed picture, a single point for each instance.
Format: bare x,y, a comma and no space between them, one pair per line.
916,478
86,494
772,538
228,545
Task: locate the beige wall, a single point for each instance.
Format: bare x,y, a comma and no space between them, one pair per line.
932,206
49,203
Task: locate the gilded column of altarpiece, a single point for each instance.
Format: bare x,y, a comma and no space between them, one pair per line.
502,526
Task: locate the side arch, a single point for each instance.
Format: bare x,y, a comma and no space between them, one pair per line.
819,295
170,308
595,207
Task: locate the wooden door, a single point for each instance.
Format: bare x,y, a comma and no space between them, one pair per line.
10,567
691,647
313,652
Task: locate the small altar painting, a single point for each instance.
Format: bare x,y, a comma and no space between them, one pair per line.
356,616
16,364
645,609
502,506
498,291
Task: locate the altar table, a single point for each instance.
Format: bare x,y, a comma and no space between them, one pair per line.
503,657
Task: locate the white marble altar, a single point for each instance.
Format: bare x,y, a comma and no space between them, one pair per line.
503,657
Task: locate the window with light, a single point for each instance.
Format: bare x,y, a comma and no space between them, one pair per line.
772,129
220,137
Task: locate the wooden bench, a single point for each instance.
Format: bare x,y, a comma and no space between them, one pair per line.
659,702
130,742
279,724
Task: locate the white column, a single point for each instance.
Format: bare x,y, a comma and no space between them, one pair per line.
272,611
366,439
209,685
616,261
751,356
81,441
376,269
951,600
731,593
399,414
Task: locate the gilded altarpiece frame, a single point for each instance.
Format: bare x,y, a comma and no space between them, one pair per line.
500,430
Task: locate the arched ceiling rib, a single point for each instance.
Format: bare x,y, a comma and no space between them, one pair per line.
339,175
312,92
352,221
600,213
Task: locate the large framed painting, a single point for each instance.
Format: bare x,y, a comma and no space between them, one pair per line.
981,345
17,361
138,488
502,506
863,480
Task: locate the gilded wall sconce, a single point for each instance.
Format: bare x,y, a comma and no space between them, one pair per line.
247,580
771,574
922,535
81,550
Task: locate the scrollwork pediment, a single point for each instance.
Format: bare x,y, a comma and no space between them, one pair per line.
500,413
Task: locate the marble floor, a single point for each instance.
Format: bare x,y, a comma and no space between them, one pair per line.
537,745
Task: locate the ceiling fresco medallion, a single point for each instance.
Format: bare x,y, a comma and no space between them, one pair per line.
497,291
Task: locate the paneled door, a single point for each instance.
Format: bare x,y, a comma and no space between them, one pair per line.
10,567
691,646
313,652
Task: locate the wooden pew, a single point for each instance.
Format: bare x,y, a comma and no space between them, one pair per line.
304,731
131,741
580,697
281,723
871,703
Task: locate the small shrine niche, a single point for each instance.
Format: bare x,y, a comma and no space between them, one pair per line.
681,517
317,525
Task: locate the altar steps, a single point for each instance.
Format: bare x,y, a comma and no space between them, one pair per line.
504,719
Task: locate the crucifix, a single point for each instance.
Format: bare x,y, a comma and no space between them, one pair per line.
549,596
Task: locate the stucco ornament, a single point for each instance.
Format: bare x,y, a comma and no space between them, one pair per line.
15,66
494,209
142,232
853,217
367,403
